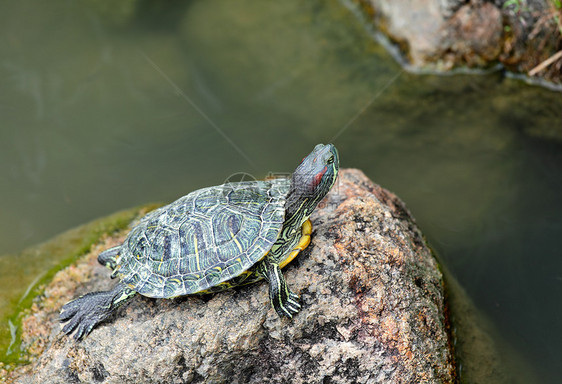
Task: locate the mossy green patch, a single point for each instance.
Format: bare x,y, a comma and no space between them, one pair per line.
34,267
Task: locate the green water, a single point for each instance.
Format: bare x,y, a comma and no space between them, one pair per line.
104,107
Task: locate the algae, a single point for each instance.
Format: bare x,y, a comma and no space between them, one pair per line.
41,263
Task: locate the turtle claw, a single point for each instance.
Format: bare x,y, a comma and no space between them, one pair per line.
81,316
293,305
85,312
81,328
285,302
290,306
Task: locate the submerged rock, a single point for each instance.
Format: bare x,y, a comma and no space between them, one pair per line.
373,311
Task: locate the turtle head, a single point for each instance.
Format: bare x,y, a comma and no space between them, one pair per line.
312,180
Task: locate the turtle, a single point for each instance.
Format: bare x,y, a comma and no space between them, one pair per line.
214,239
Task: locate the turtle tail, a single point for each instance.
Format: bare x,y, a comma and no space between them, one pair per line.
84,313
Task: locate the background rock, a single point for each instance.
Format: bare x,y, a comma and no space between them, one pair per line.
533,34
472,36
373,311
440,34
445,34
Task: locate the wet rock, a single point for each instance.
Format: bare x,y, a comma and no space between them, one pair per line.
473,35
445,34
440,34
373,311
415,26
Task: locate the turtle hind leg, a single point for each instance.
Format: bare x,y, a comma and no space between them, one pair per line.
108,258
285,302
84,313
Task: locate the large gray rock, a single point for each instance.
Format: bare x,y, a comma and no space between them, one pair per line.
373,311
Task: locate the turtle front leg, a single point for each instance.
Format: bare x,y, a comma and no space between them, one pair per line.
84,313
285,302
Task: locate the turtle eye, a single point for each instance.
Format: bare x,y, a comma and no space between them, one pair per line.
330,160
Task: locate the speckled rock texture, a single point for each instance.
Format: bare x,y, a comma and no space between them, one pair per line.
373,312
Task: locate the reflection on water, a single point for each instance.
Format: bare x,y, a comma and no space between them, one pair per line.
104,108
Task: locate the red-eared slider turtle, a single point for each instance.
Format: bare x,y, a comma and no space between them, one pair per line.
213,239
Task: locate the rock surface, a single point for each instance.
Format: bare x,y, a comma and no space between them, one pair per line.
445,34
373,311
533,36
441,34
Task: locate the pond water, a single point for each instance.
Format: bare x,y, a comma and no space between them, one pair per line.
105,106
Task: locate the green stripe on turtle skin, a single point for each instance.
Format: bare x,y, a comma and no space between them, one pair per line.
285,302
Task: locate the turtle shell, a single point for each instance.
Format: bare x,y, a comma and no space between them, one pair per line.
203,239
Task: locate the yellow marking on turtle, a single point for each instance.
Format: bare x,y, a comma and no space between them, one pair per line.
196,253
161,261
306,231
236,241
303,243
